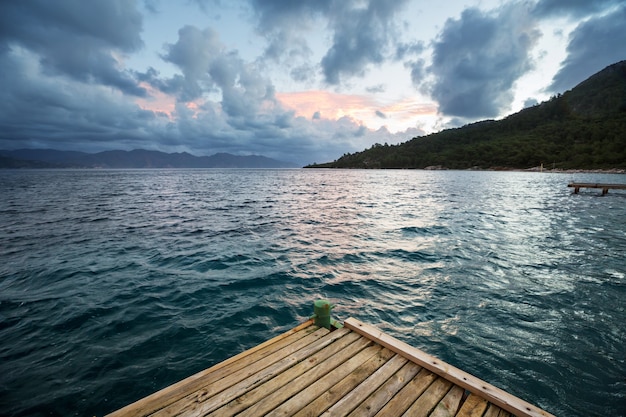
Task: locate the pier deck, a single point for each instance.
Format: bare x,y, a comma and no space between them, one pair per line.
308,371
605,187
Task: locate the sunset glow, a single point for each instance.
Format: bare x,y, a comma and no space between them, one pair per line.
396,116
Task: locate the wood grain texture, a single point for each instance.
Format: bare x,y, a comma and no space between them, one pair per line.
501,398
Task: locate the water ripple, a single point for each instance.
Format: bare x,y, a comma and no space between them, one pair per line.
114,284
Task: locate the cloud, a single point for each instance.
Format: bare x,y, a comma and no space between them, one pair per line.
209,68
418,70
572,8
215,102
287,43
152,6
406,49
226,104
478,58
397,115
362,35
378,88
273,14
593,45
330,105
58,112
205,96
195,52
529,102
85,41
285,24
303,73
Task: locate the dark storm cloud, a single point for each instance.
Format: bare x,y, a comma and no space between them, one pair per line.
362,35
283,24
593,45
573,8
76,39
58,112
478,58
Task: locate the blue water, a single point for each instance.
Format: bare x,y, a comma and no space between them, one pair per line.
114,284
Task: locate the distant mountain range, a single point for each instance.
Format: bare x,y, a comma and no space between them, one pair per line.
583,128
138,158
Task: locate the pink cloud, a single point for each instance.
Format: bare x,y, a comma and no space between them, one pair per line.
329,105
157,101
399,115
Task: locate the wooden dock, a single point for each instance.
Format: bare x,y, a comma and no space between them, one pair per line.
605,187
356,370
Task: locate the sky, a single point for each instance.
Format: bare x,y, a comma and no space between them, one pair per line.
301,81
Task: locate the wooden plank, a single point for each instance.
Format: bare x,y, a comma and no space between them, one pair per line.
345,385
493,394
409,393
493,411
474,406
317,386
423,406
347,345
376,401
314,391
309,386
228,376
371,384
167,395
407,396
450,404
306,355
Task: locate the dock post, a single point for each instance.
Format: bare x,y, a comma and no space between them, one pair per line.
321,314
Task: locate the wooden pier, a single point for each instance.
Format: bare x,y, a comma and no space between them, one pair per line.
356,370
605,187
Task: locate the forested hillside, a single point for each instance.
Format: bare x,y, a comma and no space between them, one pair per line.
584,128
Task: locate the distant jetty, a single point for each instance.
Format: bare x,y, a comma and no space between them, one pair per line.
605,187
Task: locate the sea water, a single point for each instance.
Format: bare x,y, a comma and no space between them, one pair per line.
117,283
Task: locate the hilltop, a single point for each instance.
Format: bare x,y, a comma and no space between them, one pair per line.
583,128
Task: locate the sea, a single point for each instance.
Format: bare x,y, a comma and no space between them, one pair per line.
117,283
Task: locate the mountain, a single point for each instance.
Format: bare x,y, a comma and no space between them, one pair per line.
583,128
138,158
